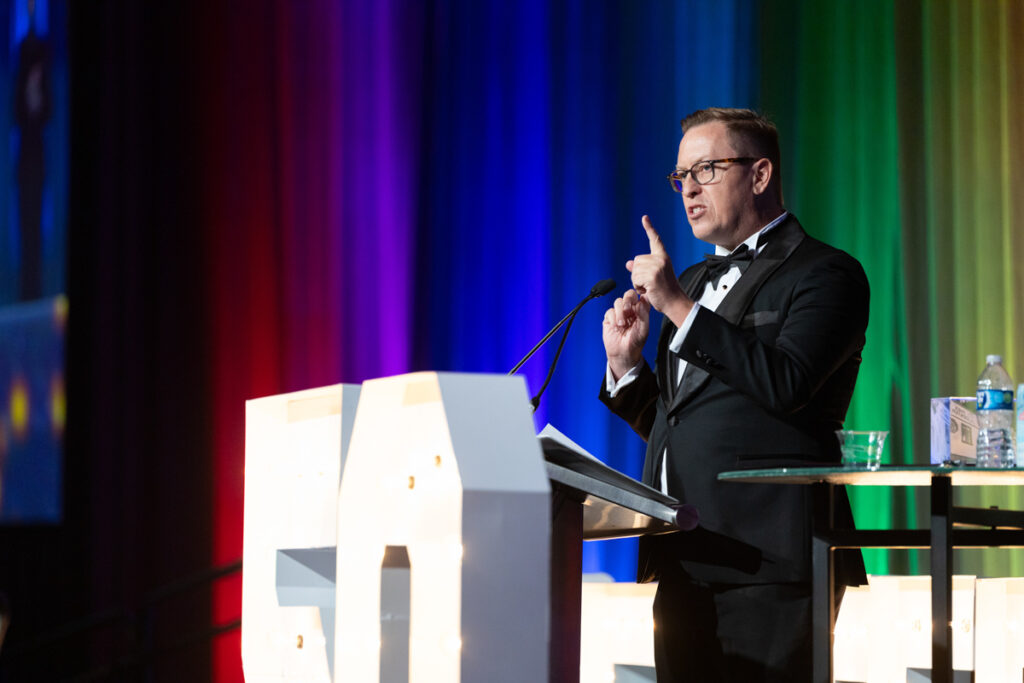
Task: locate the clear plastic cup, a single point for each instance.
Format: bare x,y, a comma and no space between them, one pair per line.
862,450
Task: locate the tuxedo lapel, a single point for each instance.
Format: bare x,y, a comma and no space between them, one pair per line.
667,368
692,281
784,239
693,379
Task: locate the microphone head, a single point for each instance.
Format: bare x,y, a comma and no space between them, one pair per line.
602,287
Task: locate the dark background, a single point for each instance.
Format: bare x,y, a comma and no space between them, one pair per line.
137,492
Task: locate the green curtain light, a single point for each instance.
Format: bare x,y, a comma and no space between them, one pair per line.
902,123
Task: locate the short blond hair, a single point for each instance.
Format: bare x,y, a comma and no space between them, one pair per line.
752,134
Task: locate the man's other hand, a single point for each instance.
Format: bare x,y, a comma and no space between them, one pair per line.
625,328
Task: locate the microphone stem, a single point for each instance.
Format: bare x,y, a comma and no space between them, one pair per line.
550,334
535,401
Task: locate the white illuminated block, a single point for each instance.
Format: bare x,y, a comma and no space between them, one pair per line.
446,465
885,628
617,628
964,631
999,647
851,653
293,457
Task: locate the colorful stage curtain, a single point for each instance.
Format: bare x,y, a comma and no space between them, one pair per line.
396,186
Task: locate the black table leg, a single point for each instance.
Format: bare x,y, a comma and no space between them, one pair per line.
566,586
942,579
823,583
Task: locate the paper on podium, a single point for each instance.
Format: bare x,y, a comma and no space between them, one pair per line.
615,505
563,451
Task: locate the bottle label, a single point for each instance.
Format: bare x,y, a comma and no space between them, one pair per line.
995,399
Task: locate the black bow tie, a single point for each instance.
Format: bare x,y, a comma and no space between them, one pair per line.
720,265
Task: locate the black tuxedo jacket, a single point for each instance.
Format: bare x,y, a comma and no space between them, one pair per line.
770,377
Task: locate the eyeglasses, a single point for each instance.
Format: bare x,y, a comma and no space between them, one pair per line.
702,172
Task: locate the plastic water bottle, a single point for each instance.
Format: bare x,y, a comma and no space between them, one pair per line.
995,415
1020,421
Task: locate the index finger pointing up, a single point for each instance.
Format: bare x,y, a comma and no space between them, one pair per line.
656,246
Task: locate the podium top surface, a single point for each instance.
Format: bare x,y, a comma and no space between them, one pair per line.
886,475
614,505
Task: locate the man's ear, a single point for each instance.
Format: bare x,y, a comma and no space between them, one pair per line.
763,171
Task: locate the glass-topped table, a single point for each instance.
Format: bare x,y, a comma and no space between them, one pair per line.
951,527
887,475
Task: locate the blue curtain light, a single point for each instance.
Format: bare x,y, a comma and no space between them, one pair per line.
548,129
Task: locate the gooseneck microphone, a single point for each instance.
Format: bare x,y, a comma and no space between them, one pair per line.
599,289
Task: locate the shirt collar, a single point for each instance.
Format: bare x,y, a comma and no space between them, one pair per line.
752,241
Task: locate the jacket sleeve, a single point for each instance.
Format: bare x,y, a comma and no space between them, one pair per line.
636,403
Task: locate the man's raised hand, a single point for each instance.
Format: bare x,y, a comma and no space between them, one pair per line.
655,280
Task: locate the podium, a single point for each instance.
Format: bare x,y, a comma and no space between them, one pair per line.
410,529
590,501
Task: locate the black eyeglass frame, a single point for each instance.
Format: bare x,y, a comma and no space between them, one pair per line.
677,178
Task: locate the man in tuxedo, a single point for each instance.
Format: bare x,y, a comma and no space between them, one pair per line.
757,359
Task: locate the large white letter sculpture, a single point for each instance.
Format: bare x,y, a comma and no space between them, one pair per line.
294,450
444,473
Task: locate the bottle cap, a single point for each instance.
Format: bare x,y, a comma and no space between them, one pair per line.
992,359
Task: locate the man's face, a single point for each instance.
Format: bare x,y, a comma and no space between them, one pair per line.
721,212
